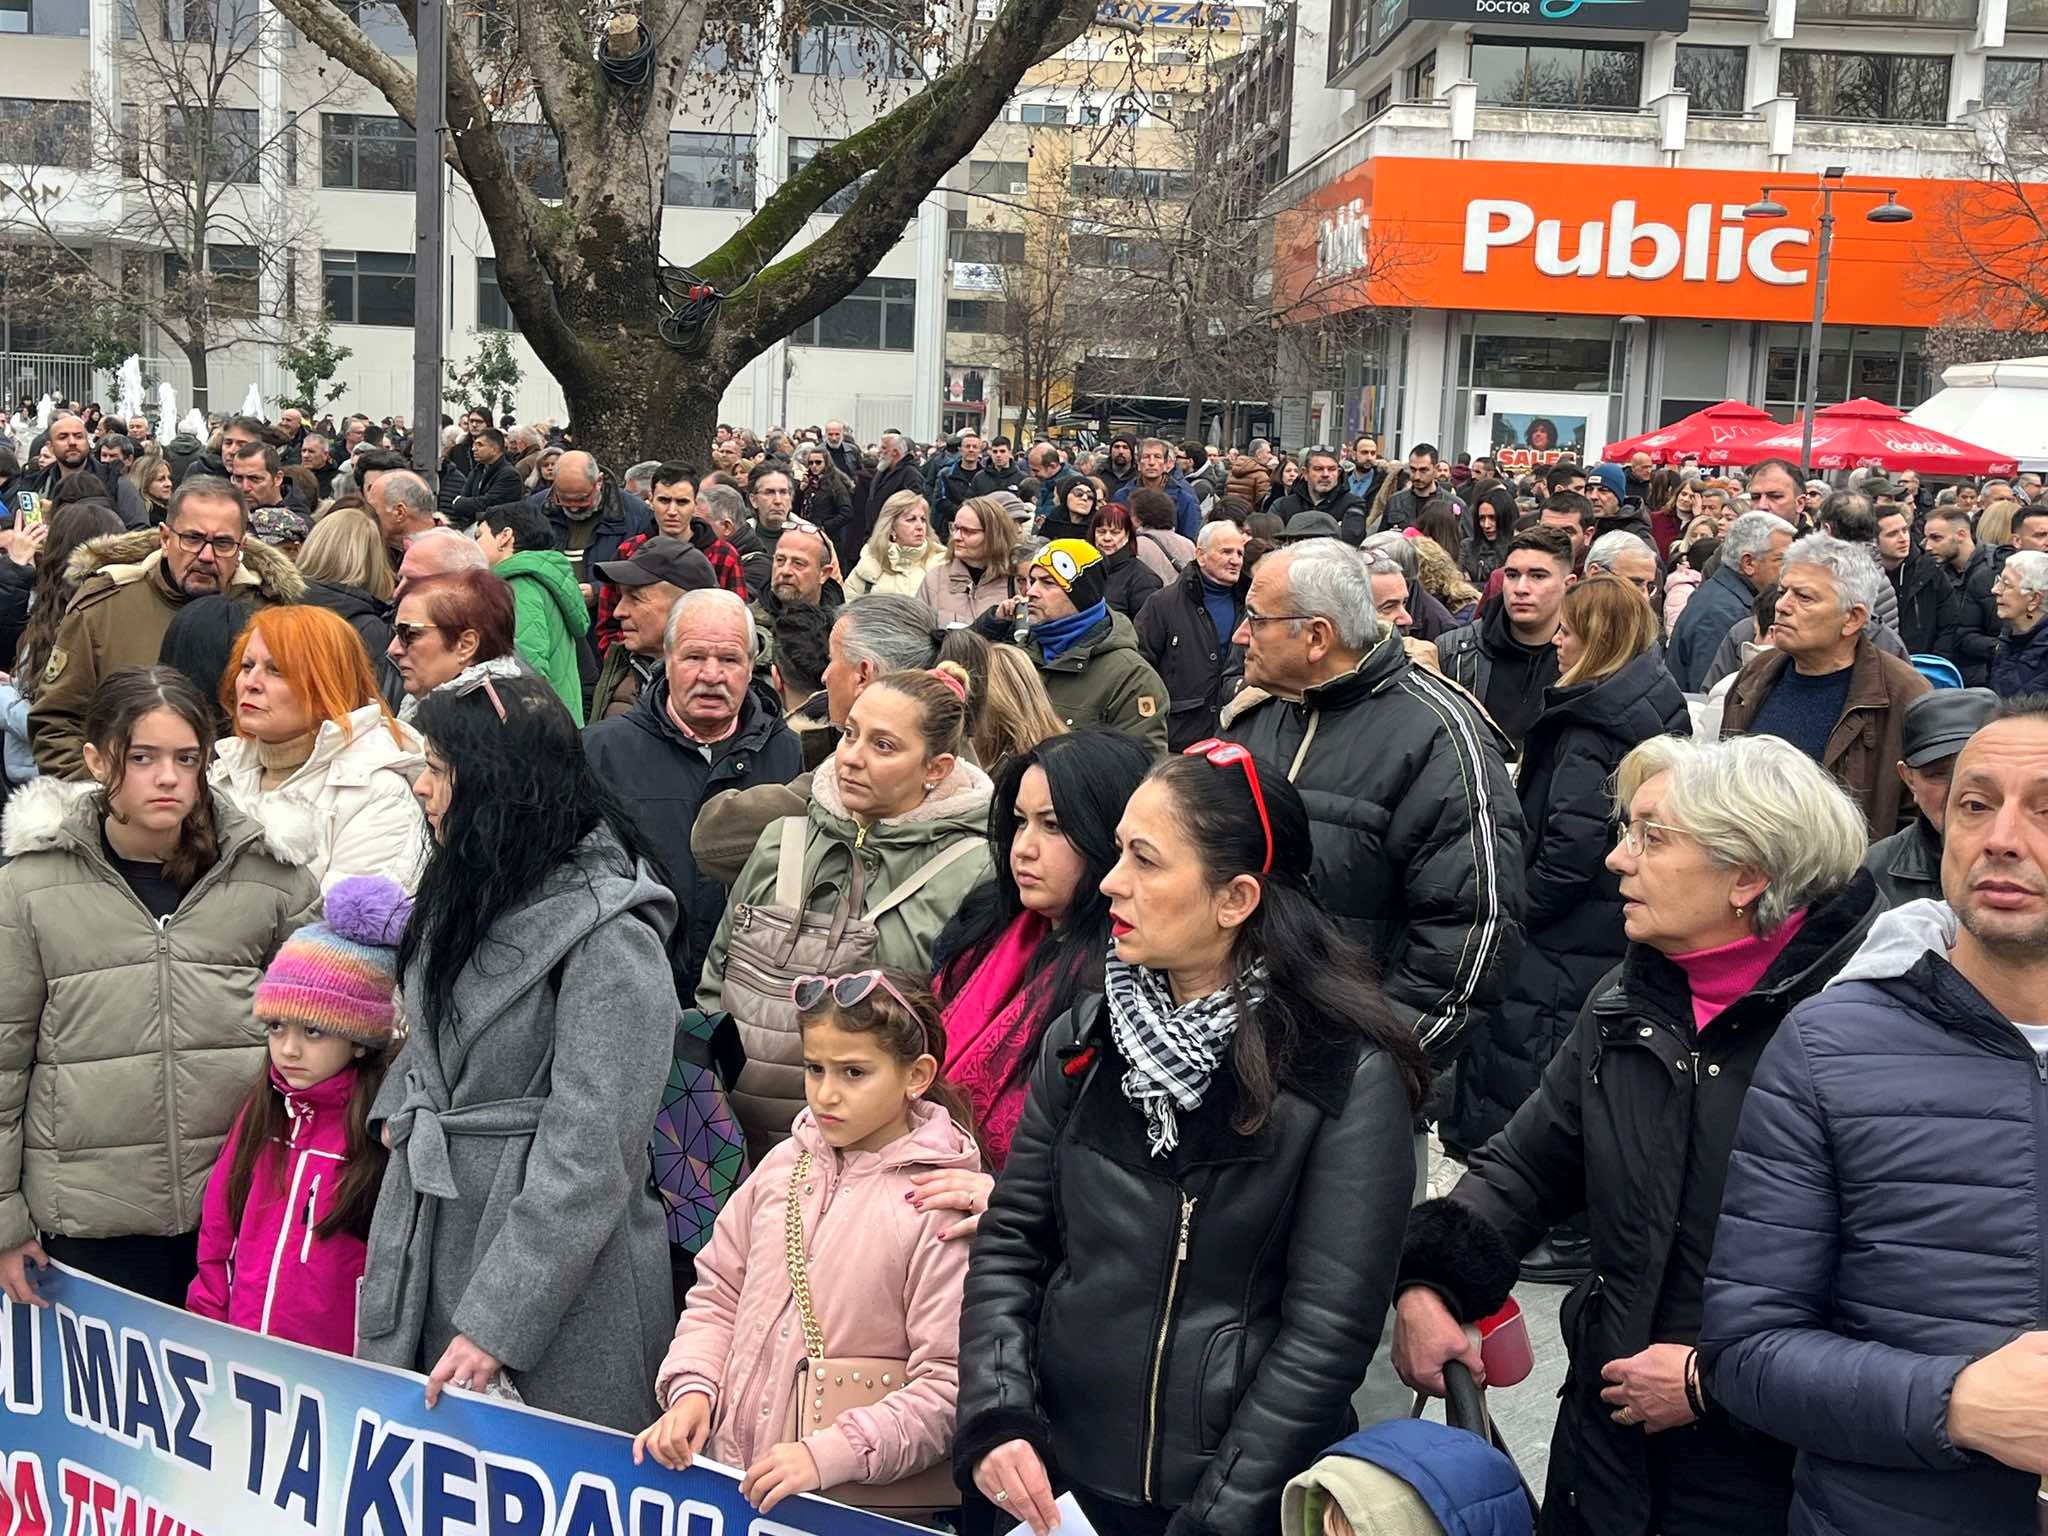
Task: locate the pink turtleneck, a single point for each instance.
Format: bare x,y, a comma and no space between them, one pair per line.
1722,974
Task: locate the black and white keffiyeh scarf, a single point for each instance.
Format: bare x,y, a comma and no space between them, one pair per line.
1173,1049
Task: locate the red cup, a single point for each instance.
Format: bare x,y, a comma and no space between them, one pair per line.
1504,1346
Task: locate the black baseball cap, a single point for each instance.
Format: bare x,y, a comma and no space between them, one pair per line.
660,559
1938,723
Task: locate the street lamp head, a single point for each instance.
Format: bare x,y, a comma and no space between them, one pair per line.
1834,173
1764,209
1890,212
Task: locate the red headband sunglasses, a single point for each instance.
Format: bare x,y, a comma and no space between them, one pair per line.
1227,754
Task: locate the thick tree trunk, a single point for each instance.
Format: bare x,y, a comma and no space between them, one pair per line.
646,400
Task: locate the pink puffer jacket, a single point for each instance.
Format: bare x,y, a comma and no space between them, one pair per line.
739,1337
274,1274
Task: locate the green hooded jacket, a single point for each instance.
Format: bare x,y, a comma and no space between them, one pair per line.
549,616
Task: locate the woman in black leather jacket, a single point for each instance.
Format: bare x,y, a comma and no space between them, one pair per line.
1183,1271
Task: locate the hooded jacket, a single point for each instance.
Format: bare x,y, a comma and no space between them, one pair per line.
883,1287
665,777
516,1208
1632,1125
482,487
353,797
147,1024
1573,921
1883,1226
124,602
1197,666
899,570
372,621
1342,504
1977,622
771,1089
1418,837
549,615
1102,679
1185,1331
1470,652
1929,608
274,1273
903,475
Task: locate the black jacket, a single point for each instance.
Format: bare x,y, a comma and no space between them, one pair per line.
16,583
1468,655
1199,667
1418,837
1977,625
1184,1331
1341,504
955,483
2021,665
828,502
903,475
1404,506
1633,1126
1572,920
651,765
1129,582
1907,865
1929,607
620,515
370,619
988,479
485,486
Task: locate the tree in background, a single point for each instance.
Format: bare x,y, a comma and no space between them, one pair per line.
1987,265
310,356
490,378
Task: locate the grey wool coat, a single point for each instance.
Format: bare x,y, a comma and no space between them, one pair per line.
516,1208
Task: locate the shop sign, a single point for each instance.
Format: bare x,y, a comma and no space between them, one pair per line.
1653,240
1525,429
977,277
1563,15
1168,13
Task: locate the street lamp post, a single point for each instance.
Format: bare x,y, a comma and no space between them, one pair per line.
1829,182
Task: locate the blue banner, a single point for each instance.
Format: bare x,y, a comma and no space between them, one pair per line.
123,1417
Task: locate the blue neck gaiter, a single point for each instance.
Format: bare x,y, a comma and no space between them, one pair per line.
1055,636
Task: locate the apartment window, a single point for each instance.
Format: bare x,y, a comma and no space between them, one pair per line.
840,40
45,18
998,178
2015,83
1123,252
536,157
1927,13
236,271
228,139
879,315
989,247
801,152
371,154
1516,74
492,312
1714,79
1091,117
46,134
1128,181
1420,80
710,170
2027,15
368,287
1379,100
204,21
384,24
1350,31
983,315
1866,87
1041,112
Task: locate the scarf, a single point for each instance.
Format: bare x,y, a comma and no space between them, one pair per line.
1173,1049
992,1021
1055,637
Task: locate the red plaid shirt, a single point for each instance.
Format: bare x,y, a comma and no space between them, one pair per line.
725,565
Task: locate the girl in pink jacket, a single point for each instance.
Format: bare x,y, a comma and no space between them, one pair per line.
289,1204
882,1283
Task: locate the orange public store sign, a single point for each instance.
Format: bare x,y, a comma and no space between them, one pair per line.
1602,240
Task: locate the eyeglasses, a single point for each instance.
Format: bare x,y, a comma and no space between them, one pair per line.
1226,754
1630,835
1253,616
848,991
224,546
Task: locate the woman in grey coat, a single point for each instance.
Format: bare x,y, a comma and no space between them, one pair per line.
516,1233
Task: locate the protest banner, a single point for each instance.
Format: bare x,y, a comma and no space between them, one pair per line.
123,1417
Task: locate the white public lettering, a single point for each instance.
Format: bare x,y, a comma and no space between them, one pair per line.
1619,246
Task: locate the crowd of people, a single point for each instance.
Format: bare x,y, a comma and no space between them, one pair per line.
1088,887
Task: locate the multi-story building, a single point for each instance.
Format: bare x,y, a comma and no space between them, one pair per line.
1539,204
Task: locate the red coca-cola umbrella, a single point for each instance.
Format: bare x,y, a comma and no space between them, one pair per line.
1867,434
1711,436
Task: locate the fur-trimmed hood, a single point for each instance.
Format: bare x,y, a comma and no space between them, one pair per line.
46,814
963,794
124,558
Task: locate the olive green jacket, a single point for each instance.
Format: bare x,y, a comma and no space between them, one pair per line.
1104,679
126,1048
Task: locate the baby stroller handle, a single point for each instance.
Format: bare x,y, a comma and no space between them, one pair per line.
1464,1404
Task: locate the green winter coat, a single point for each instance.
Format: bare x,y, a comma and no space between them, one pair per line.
125,1048
549,615
1103,679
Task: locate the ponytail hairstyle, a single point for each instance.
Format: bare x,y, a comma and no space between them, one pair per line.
118,704
970,653
903,1035
941,699
1318,984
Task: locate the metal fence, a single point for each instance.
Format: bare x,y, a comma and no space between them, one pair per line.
36,374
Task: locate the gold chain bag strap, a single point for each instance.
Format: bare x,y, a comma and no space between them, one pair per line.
826,1388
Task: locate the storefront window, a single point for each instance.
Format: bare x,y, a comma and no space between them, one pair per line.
1863,362
1562,354
1517,74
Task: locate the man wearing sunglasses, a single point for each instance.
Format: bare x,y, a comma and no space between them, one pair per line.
136,586
1418,834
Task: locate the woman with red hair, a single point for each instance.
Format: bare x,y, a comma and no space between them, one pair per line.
316,750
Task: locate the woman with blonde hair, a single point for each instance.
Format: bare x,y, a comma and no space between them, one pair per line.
1612,693
316,750
1016,715
1443,580
900,551
348,573
151,477
981,571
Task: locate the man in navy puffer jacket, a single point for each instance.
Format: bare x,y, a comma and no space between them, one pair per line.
1878,1286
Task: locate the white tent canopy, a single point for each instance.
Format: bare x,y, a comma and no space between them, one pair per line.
2001,406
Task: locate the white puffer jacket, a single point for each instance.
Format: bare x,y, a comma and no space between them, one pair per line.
353,796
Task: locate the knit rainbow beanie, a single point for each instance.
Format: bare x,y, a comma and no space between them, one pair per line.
339,974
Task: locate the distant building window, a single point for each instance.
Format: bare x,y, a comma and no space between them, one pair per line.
999,178
382,22
1926,13
1379,101
1866,87
1714,79
2015,83
368,287
1123,252
710,170
209,21
536,157
49,134
492,312
983,315
1128,182
802,152
236,271
1041,112
371,154
989,247
46,18
1511,73
1420,81
843,40
216,145
880,315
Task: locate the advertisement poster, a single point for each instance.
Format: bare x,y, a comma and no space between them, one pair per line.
123,1417
1523,430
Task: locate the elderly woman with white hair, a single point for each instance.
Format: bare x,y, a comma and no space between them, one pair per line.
1742,895
2021,665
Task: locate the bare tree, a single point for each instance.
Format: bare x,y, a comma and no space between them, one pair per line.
644,351
1986,265
173,206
